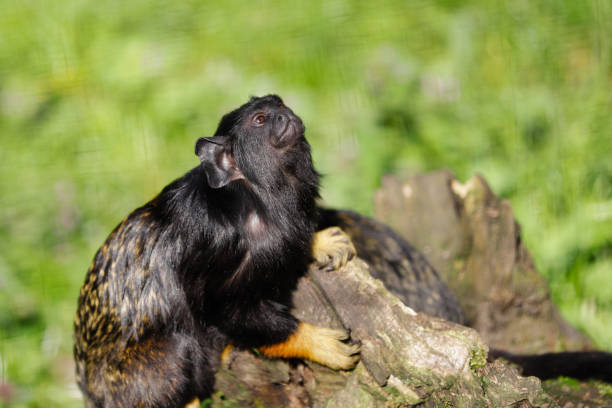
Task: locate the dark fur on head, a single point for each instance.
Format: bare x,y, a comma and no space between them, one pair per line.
213,258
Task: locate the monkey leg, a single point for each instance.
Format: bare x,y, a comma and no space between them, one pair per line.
319,344
332,248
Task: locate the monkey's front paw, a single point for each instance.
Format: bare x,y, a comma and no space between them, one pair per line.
332,248
331,350
325,346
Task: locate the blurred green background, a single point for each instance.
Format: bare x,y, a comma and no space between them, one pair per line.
101,102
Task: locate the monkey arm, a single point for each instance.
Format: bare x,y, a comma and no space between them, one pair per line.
331,250
319,344
256,324
271,329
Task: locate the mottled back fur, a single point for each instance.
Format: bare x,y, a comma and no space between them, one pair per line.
213,258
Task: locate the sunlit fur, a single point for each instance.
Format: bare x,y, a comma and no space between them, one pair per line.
197,267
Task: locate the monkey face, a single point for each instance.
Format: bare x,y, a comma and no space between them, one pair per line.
267,120
262,142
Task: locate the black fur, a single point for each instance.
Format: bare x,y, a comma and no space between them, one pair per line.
213,258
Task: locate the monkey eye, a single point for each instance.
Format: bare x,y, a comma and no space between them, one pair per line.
259,119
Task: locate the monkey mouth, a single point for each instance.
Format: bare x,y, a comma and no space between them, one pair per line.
286,128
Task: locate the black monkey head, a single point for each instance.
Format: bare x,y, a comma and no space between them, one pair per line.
262,142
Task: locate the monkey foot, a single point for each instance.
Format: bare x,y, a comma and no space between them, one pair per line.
195,403
332,248
228,355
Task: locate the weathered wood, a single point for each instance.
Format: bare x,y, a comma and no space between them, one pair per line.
472,238
407,358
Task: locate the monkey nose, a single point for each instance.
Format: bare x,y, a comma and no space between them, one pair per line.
280,118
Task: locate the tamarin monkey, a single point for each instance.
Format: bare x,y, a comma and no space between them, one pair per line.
211,261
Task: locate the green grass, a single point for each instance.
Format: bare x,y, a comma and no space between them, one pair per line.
101,102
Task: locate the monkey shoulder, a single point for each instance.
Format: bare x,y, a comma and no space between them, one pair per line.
132,286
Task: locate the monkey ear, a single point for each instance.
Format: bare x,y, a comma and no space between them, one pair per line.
219,165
